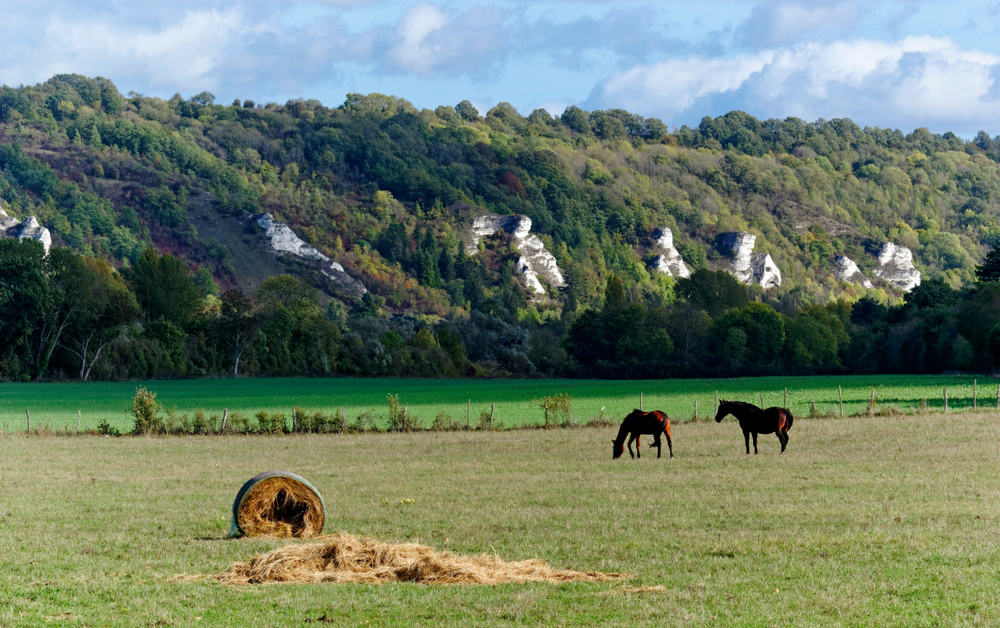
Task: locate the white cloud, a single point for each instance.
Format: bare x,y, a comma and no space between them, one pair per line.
781,22
913,82
183,53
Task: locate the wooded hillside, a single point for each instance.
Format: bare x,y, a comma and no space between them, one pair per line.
385,190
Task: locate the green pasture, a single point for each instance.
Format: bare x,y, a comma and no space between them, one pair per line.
866,521
56,405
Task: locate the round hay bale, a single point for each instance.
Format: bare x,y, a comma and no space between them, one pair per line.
278,504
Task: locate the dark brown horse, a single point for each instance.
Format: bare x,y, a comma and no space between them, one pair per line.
755,421
638,423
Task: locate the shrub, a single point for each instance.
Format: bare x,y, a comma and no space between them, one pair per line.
146,412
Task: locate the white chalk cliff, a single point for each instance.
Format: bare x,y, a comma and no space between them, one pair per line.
535,261
747,266
895,265
668,259
284,240
13,228
844,269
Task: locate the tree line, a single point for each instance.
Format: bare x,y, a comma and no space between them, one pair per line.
71,316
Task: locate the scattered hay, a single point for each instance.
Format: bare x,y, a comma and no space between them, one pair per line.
629,590
278,504
348,558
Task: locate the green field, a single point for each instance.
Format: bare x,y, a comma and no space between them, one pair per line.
883,521
56,405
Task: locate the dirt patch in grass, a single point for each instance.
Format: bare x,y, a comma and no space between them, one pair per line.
349,558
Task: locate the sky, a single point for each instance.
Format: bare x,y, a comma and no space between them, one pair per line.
900,64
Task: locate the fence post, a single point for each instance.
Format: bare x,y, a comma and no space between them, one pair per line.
28,414
762,401
79,415
998,397
640,401
468,416
695,409
293,421
492,408
225,415
814,409
840,394
871,403
716,410
546,404
784,400
343,421
945,399
975,393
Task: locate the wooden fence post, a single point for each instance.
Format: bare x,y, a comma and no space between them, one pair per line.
343,421
79,415
28,414
871,403
492,408
814,408
546,404
640,401
716,410
840,394
293,421
784,400
762,400
945,399
225,415
998,397
695,409
975,392
468,415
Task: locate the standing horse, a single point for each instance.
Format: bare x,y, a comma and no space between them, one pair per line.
755,421
638,423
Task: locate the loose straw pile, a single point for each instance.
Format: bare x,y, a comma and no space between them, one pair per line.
348,558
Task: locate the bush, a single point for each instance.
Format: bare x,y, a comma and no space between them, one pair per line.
146,412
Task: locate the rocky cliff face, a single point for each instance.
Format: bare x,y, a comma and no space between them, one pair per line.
668,259
284,241
764,271
13,228
535,261
895,265
844,269
747,266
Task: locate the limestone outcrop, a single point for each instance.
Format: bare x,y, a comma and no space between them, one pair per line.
764,271
895,265
13,228
844,269
284,241
668,259
747,266
535,261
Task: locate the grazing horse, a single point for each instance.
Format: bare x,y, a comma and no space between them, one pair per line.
755,421
638,423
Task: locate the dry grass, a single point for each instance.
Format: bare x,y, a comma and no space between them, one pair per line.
348,558
280,507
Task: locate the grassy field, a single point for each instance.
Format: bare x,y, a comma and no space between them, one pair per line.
56,405
885,521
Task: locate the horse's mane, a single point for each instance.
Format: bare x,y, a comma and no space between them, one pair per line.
738,403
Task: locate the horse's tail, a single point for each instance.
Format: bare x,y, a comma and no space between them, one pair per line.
790,417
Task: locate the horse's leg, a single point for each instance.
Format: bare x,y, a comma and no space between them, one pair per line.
783,437
754,443
638,445
670,445
657,444
746,439
630,441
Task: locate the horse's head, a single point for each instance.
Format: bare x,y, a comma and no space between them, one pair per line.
617,449
723,411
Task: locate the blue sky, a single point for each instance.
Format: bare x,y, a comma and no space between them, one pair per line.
899,63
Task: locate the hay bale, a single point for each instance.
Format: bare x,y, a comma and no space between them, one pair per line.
278,504
348,558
